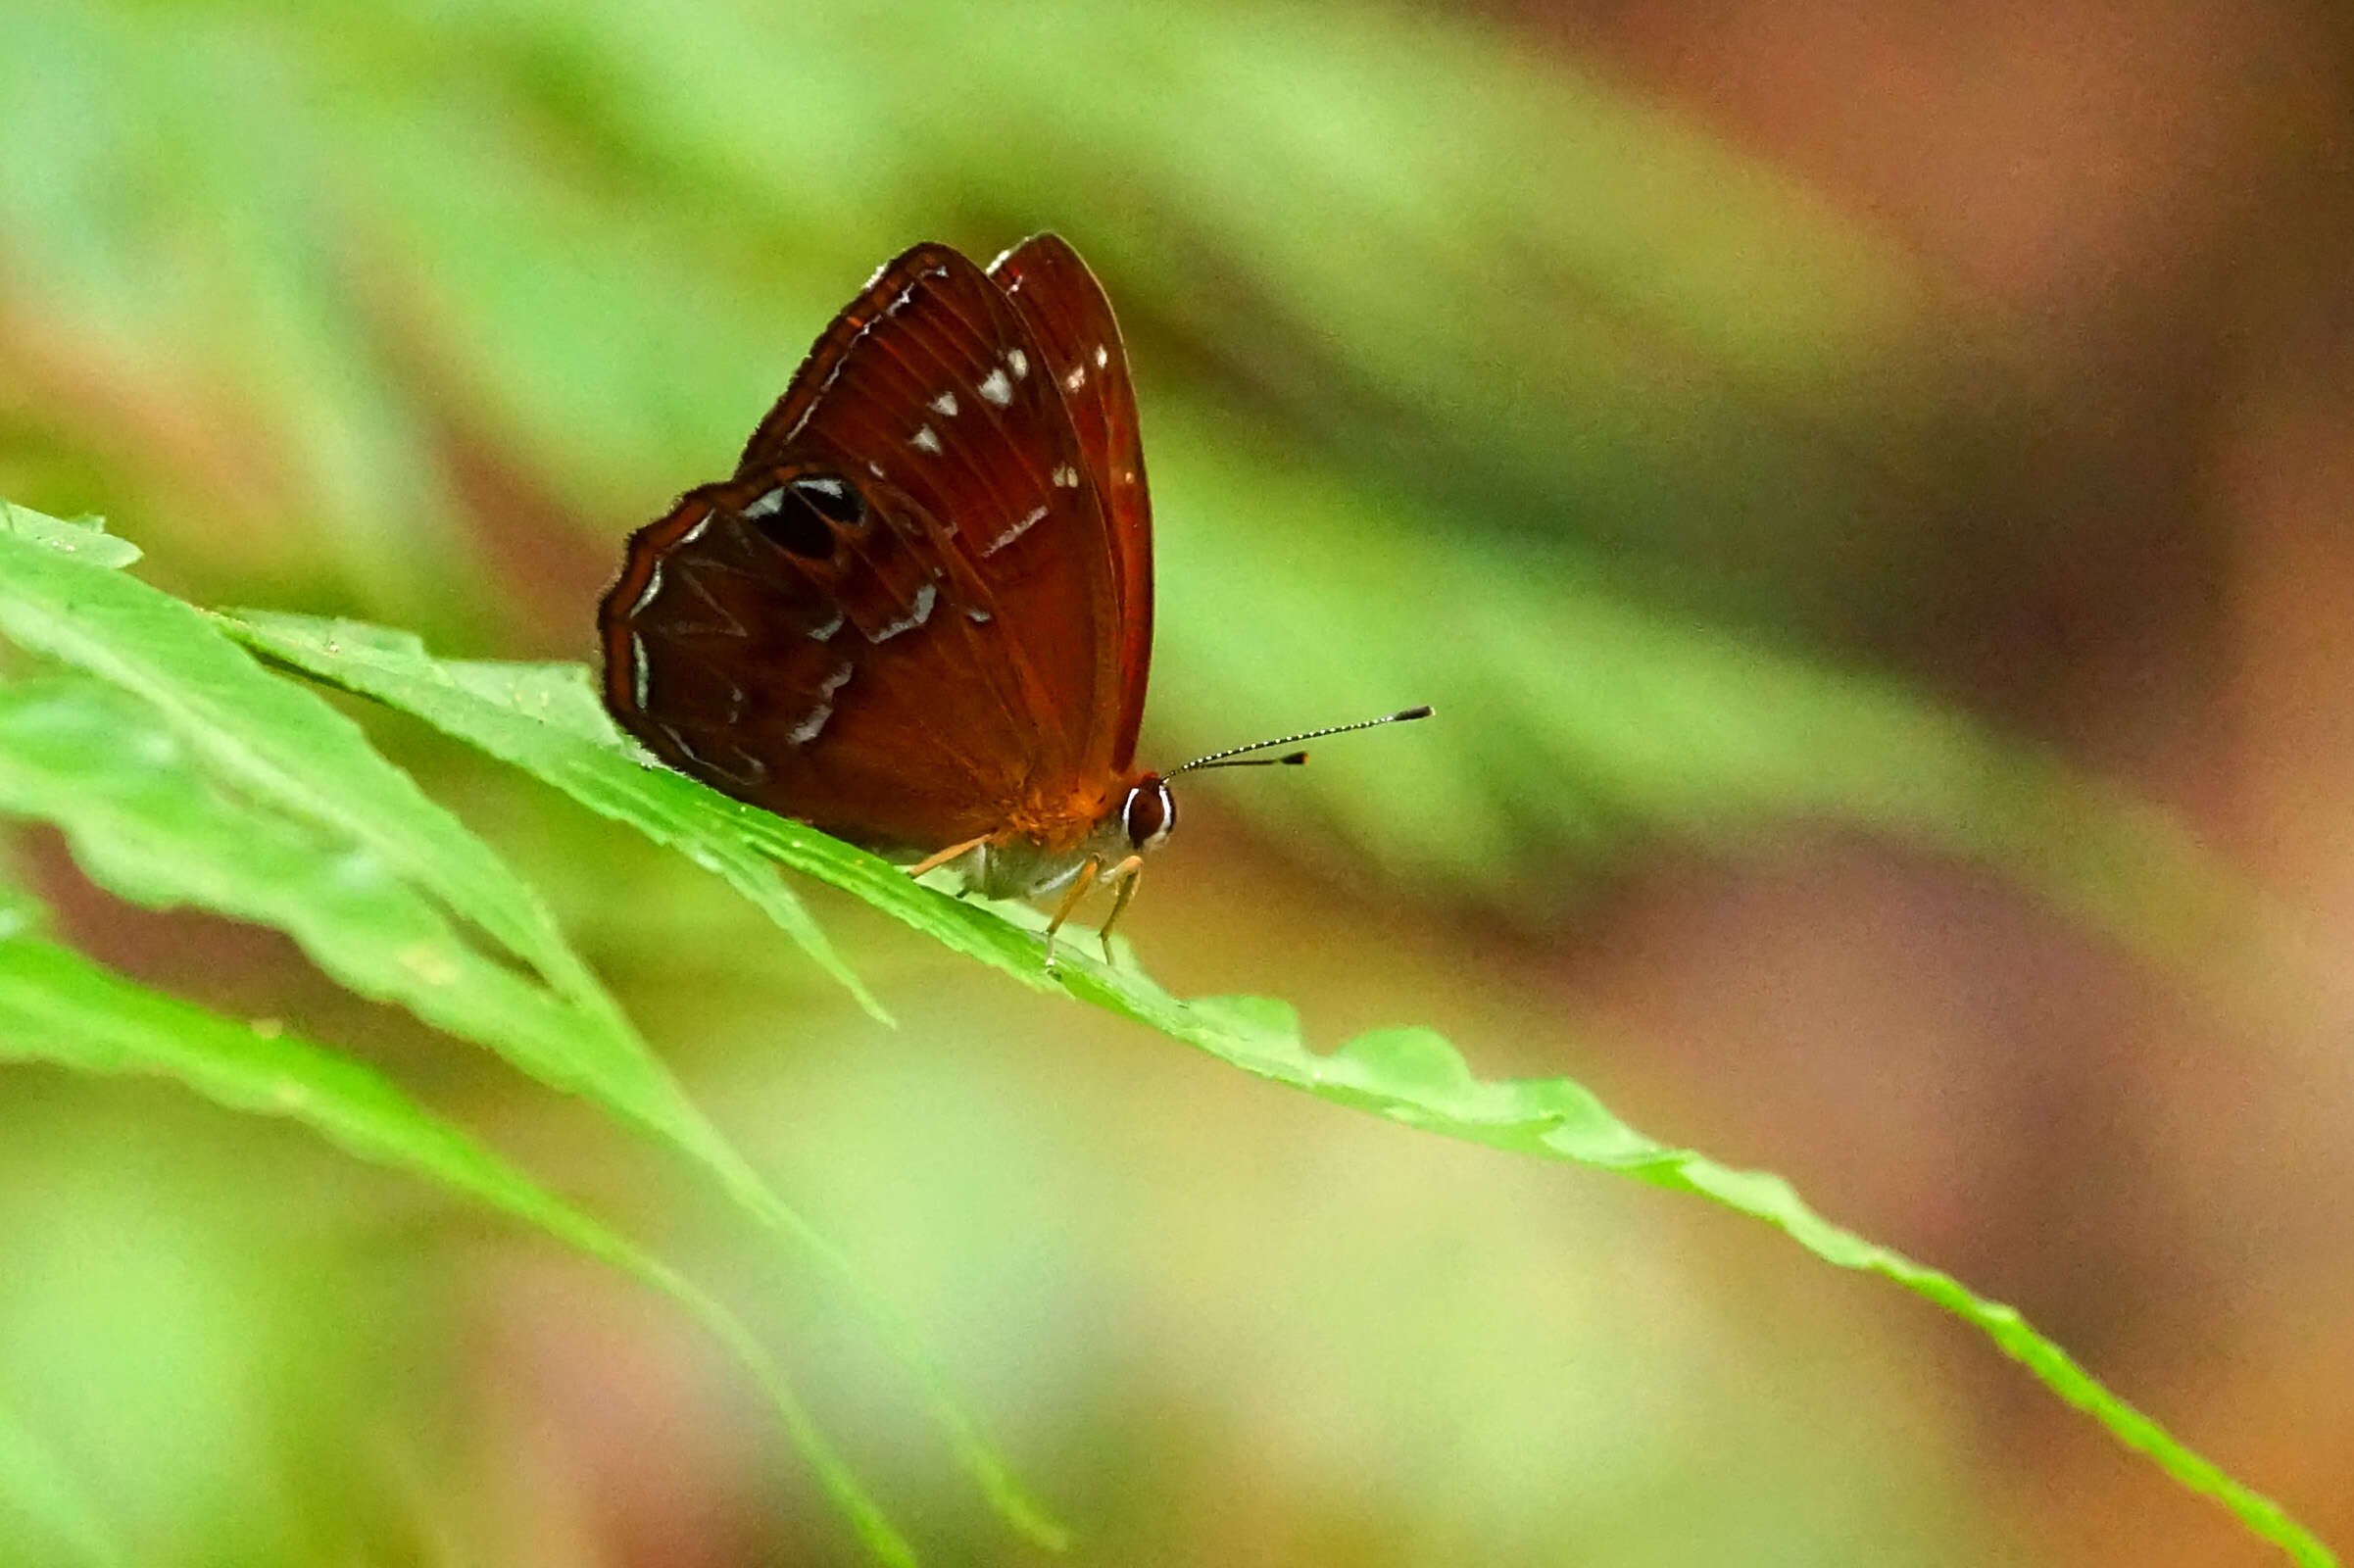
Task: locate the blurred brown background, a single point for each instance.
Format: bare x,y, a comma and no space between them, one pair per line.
1693,402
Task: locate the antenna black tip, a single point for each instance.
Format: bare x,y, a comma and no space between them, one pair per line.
1292,759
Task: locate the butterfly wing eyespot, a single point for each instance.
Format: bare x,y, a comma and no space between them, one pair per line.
832,498
920,611
791,518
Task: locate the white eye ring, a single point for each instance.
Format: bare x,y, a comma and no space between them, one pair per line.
1149,813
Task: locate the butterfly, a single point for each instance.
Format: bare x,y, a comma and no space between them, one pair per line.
919,617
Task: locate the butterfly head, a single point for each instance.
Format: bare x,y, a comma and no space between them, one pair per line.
1148,812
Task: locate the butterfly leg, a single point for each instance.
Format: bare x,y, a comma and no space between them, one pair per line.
1070,901
938,859
1125,874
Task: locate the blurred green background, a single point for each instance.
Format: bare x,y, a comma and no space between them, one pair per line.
1712,409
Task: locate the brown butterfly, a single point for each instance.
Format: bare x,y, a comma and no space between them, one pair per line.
920,617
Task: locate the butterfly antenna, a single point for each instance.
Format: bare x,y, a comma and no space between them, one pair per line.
1294,758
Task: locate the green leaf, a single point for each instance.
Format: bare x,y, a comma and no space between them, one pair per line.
84,538
266,736
1413,1076
1416,1077
144,821
282,747
57,1007
335,872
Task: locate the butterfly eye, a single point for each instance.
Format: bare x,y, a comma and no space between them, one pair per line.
1149,812
797,516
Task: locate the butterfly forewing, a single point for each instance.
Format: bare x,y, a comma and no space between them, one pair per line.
901,621
1070,317
943,394
886,294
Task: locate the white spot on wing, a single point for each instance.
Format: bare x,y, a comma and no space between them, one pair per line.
1028,520
806,730
917,614
696,533
945,405
1018,363
654,586
996,388
641,677
1066,476
1102,356
977,615
1076,379
825,632
874,467
923,440
771,502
